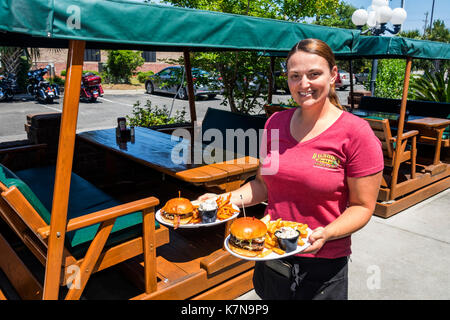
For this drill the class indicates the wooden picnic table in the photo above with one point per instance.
(161, 151)
(433, 128)
(430, 129)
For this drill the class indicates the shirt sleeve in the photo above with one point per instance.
(365, 156)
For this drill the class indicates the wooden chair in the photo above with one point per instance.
(25, 214)
(393, 160)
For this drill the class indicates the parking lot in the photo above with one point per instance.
(104, 113)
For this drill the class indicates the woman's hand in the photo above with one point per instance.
(317, 239)
(207, 196)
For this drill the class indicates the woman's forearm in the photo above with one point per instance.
(253, 192)
(350, 221)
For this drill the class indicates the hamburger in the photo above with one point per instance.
(247, 236)
(177, 211)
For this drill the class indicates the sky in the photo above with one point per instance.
(415, 10)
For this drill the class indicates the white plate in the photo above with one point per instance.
(196, 225)
(273, 255)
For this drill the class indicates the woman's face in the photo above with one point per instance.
(309, 79)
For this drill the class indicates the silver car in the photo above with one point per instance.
(170, 80)
(343, 80)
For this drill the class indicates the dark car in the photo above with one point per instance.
(170, 80)
(362, 77)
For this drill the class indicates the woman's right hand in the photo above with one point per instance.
(207, 196)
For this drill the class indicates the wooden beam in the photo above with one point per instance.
(190, 85)
(64, 161)
(401, 120)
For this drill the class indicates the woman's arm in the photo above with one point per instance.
(363, 194)
(253, 192)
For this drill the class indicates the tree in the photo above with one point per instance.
(238, 69)
(121, 64)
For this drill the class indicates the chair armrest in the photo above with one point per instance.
(104, 215)
(406, 135)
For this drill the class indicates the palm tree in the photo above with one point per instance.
(431, 87)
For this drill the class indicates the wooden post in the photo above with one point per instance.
(190, 85)
(64, 161)
(401, 122)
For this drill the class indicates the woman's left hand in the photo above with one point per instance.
(317, 239)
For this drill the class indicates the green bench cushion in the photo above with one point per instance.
(84, 198)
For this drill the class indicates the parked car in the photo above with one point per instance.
(362, 77)
(170, 80)
(343, 80)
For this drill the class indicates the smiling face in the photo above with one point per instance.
(310, 79)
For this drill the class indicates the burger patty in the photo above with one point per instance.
(254, 244)
(172, 216)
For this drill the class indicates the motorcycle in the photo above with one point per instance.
(42, 90)
(8, 86)
(91, 87)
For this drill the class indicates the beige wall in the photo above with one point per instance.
(59, 59)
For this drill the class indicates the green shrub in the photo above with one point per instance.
(390, 78)
(143, 76)
(149, 115)
(57, 80)
(121, 64)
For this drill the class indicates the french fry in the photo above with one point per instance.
(265, 253)
(278, 251)
(300, 242)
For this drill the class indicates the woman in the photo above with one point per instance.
(329, 170)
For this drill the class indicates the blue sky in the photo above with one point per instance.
(416, 11)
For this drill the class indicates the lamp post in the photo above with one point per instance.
(377, 17)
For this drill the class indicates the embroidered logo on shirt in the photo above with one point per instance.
(326, 161)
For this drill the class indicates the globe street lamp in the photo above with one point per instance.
(376, 17)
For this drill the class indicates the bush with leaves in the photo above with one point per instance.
(390, 78)
(143, 75)
(148, 115)
(121, 64)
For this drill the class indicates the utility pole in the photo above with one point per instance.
(431, 20)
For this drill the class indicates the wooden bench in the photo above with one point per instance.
(225, 120)
(101, 231)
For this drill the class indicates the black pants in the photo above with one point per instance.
(310, 279)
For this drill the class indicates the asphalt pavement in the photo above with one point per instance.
(104, 113)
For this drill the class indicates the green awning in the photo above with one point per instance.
(378, 47)
(122, 24)
(399, 47)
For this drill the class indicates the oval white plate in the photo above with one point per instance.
(196, 225)
(273, 255)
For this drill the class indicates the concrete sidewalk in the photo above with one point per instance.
(406, 256)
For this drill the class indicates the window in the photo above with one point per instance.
(91, 55)
(149, 56)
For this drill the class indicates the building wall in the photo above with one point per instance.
(59, 59)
